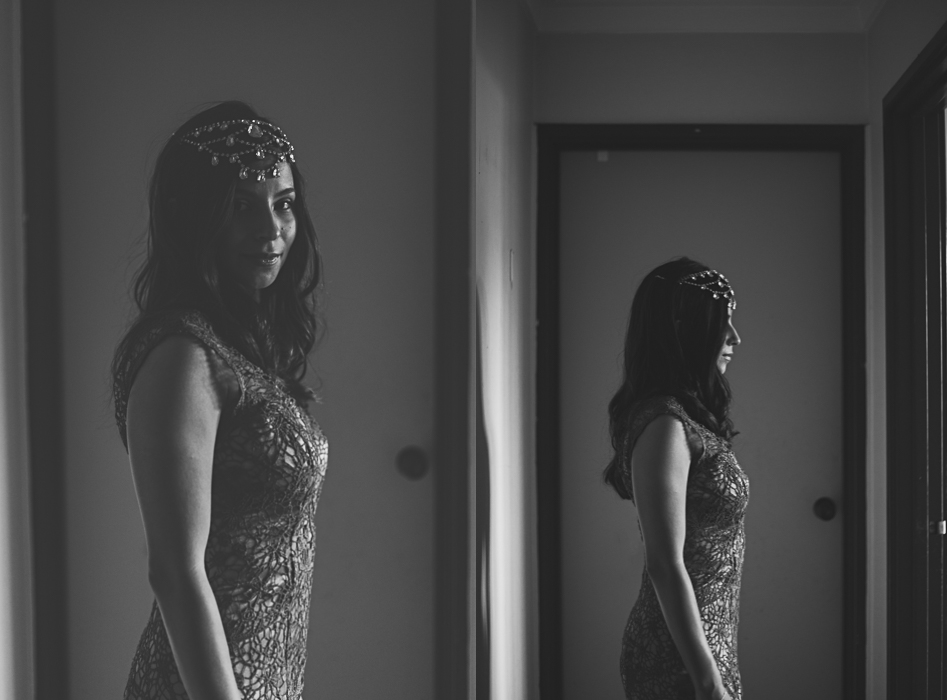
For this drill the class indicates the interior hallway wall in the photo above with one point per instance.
(701, 78)
(504, 204)
(352, 82)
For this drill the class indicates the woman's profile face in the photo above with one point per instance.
(257, 240)
(730, 340)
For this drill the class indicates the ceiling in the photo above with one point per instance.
(704, 16)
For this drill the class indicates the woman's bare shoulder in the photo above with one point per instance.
(663, 431)
(177, 366)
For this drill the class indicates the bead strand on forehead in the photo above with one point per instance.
(239, 141)
(714, 283)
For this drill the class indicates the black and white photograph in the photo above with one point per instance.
(473, 350)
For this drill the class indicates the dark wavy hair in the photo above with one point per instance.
(191, 204)
(673, 340)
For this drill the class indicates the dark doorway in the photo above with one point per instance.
(916, 287)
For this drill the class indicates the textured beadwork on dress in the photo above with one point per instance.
(269, 463)
(716, 500)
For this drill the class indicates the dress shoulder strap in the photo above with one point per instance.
(150, 334)
(649, 409)
(646, 411)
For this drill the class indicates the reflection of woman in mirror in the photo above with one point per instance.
(227, 463)
(671, 434)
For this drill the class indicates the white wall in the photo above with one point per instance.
(352, 83)
(16, 638)
(504, 267)
(716, 78)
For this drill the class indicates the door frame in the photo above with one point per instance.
(849, 143)
(455, 345)
(44, 376)
(915, 205)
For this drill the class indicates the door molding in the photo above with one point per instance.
(914, 177)
(455, 343)
(44, 378)
(848, 143)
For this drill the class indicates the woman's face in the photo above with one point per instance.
(730, 340)
(256, 243)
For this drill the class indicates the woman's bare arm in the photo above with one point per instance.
(172, 418)
(659, 467)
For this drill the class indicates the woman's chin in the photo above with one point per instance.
(255, 283)
(263, 283)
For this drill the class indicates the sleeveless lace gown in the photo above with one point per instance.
(716, 499)
(269, 463)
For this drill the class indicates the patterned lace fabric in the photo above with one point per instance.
(717, 496)
(269, 464)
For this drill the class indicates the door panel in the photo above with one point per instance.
(771, 223)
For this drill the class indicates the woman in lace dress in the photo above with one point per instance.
(226, 461)
(671, 434)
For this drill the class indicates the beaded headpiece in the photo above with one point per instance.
(713, 282)
(244, 142)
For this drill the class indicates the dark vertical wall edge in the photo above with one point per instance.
(547, 414)
(935, 201)
(854, 399)
(917, 96)
(931, 198)
(848, 142)
(453, 338)
(898, 321)
(44, 350)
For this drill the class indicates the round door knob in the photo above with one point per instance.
(824, 508)
(412, 462)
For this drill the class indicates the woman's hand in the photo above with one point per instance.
(173, 414)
